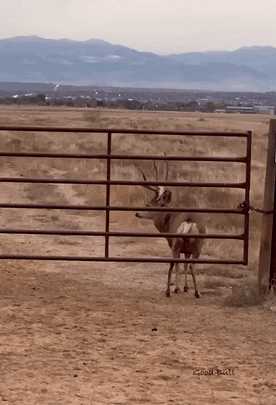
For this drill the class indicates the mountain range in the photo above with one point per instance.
(97, 62)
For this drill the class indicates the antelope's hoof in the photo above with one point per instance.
(197, 295)
(176, 290)
(186, 289)
(168, 293)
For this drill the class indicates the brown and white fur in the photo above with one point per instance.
(176, 222)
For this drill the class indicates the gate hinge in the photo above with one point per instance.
(245, 207)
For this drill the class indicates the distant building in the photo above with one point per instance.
(240, 109)
(255, 109)
(265, 109)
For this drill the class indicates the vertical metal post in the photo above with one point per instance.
(247, 197)
(107, 192)
(272, 277)
(268, 238)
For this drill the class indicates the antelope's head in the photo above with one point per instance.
(161, 198)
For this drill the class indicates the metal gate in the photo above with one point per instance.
(108, 183)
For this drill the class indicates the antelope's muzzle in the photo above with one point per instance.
(143, 215)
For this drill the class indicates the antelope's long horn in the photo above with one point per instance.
(155, 170)
(167, 168)
(151, 188)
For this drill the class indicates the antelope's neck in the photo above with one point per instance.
(161, 222)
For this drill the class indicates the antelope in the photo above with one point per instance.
(175, 222)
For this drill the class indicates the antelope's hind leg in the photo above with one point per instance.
(177, 279)
(186, 288)
(197, 294)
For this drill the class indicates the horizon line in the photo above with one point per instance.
(46, 38)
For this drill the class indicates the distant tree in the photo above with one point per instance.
(191, 106)
(40, 98)
(210, 107)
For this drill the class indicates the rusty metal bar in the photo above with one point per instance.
(108, 183)
(118, 234)
(238, 159)
(121, 182)
(122, 208)
(121, 131)
(119, 259)
(107, 191)
(247, 197)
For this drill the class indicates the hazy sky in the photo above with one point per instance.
(163, 26)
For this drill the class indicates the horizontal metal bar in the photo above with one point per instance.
(120, 182)
(121, 131)
(118, 259)
(125, 157)
(118, 234)
(236, 211)
(58, 232)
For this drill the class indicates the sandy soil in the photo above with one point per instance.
(96, 334)
(106, 334)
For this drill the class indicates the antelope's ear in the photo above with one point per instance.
(167, 196)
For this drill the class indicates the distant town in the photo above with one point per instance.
(48, 94)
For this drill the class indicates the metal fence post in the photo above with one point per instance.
(247, 197)
(267, 258)
(107, 191)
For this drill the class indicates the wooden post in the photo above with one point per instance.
(267, 248)
(273, 249)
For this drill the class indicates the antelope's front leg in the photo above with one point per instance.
(176, 255)
(168, 292)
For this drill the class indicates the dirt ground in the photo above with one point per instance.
(96, 334)
(79, 333)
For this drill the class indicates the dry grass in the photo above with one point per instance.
(244, 294)
(84, 143)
